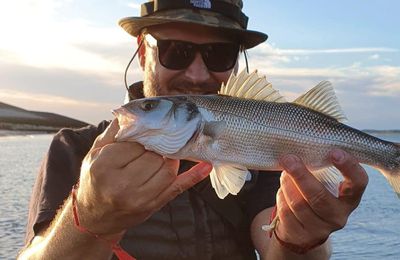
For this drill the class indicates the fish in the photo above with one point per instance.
(250, 125)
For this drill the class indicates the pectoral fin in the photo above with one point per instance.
(227, 178)
(331, 178)
(214, 129)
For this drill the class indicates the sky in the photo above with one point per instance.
(69, 56)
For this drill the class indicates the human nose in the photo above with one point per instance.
(197, 71)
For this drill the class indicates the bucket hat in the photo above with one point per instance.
(226, 15)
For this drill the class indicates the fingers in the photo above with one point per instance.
(308, 221)
(304, 199)
(297, 203)
(322, 203)
(355, 177)
(141, 170)
(119, 155)
(162, 178)
(312, 190)
(286, 219)
(184, 181)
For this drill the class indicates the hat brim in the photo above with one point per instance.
(248, 38)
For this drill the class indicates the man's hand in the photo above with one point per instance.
(122, 184)
(308, 212)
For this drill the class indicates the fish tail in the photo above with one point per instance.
(393, 176)
(394, 180)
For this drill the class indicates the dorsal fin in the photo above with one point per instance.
(250, 86)
(322, 98)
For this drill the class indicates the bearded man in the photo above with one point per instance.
(135, 203)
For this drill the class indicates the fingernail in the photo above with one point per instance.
(337, 156)
(289, 162)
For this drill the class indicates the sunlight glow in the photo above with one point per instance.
(35, 37)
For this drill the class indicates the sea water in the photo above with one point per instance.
(372, 232)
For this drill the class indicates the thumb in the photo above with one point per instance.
(108, 136)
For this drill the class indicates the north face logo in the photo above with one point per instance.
(206, 4)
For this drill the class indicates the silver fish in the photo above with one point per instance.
(249, 125)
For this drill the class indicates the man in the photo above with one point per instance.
(158, 208)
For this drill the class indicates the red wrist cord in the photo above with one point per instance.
(292, 247)
(116, 248)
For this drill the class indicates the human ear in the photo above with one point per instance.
(141, 51)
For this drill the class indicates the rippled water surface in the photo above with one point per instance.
(373, 231)
(20, 158)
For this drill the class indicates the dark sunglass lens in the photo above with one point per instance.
(220, 57)
(175, 55)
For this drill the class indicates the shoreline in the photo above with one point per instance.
(7, 133)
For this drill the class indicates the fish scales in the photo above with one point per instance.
(236, 133)
(263, 131)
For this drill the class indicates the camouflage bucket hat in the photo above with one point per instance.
(226, 15)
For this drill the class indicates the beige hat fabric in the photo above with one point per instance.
(226, 15)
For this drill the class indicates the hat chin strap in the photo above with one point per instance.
(247, 62)
(226, 9)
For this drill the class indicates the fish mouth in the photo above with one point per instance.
(126, 122)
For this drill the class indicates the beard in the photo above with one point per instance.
(151, 87)
(178, 85)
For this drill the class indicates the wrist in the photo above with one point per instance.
(86, 218)
(111, 240)
(298, 248)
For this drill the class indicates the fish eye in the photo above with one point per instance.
(148, 105)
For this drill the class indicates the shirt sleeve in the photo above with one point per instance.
(59, 171)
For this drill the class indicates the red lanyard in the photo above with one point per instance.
(115, 246)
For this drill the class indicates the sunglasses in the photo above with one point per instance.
(178, 55)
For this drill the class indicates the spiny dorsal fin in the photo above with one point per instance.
(322, 98)
(250, 86)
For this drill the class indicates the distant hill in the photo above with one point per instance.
(15, 118)
(373, 131)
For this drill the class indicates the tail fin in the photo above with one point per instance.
(394, 180)
(393, 177)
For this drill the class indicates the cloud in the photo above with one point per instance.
(271, 55)
(374, 57)
(91, 112)
(39, 37)
(82, 95)
(51, 61)
(278, 65)
(368, 93)
(386, 81)
(54, 60)
(51, 100)
(134, 6)
(268, 49)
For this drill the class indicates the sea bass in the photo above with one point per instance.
(249, 125)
